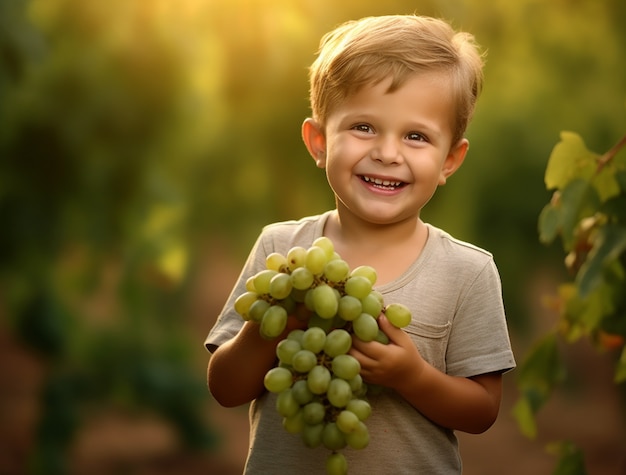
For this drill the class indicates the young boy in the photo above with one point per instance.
(391, 98)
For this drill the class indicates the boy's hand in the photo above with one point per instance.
(390, 364)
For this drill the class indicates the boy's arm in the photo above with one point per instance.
(466, 404)
(236, 369)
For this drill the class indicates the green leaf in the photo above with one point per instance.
(578, 200)
(549, 224)
(571, 459)
(606, 184)
(609, 245)
(586, 314)
(620, 371)
(525, 417)
(620, 176)
(616, 207)
(542, 369)
(570, 160)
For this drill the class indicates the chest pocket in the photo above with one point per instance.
(431, 341)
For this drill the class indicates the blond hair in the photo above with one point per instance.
(367, 51)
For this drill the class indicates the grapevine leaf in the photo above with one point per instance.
(541, 370)
(616, 207)
(571, 459)
(584, 315)
(525, 417)
(539, 373)
(610, 243)
(549, 224)
(620, 176)
(620, 371)
(578, 200)
(570, 160)
(606, 184)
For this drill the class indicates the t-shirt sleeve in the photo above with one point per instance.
(479, 340)
(229, 322)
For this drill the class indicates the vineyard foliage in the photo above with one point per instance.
(587, 212)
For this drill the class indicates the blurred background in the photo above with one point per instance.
(143, 145)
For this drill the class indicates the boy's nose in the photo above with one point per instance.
(387, 151)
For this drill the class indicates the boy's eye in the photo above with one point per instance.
(362, 128)
(416, 136)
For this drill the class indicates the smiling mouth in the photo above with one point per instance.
(383, 184)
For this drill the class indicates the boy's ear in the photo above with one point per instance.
(315, 141)
(454, 160)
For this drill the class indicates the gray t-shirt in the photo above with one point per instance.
(453, 290)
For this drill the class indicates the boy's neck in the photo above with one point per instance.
(389, 248)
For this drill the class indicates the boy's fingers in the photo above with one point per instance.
(395, 334)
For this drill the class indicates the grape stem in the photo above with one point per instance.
(608, 156)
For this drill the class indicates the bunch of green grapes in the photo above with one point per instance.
(321, 395)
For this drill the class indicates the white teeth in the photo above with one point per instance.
(378, 181)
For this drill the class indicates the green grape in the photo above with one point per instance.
(296, 335)
(349, 308)
(262, 281)
(332, 437)
(318, 379)
(357, 386)
(325, 324)
(289, 304)
(286, 349)
(302, 278)
(360, 407)
(313, 413)
(244, 302)
(336, 270)
(296, 257)
(372, 305)
(301, 392)
(274, 322)
(338, 322)
(278, 379)
(347, 421)
(298, 295)
(379, 296)
(258, 309)
(303, 361)
(399, 315)
(374, 389)
(336, 464)
(250, 284)
(316, 259)
(309, 301)
(286, 405)
(381, 337)
(326, 244)
(280, 286)
(359, 438)
(325, 301)
(345, 366)
(365, 271)
(338, 342)
(339, 392)
(276, 261)
(294, 424)
(312, 435)
(313, 339)
(365, 327)
(358, 286)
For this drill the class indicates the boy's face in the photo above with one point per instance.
(385, 154)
